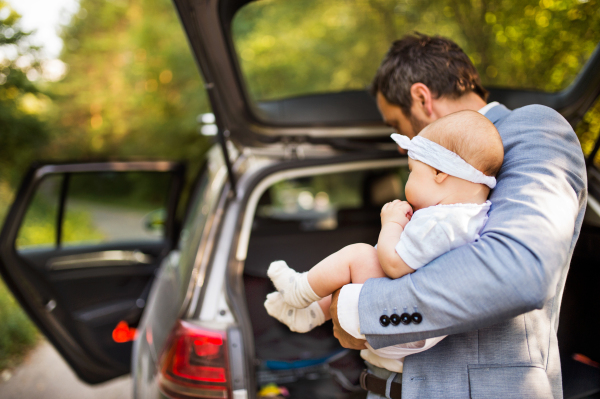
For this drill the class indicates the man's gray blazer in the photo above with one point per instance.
(498, 298)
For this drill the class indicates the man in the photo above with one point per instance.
(498, 298)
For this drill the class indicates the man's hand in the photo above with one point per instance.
(346, 340)
(397, 211)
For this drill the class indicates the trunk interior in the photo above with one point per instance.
(579, 323)
(311, 364)
(304, 363)
(314, 364)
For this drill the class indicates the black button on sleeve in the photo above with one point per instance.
(395, 319)
(384, 321)
(417, 318)
(405, 318)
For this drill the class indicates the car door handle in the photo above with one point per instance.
(99, 259)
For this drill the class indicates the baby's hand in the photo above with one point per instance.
(399, 212)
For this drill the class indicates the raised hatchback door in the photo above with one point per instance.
(295, 72)
(79, 249)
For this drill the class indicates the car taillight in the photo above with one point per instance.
(194, 363)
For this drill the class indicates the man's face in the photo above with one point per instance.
(393, 116)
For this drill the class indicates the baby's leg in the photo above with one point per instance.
(324, 304)
(360, 271)
(298, 320)
(354, 263)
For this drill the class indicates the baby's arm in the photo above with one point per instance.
(394, 217)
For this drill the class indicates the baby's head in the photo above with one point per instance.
(473, 138)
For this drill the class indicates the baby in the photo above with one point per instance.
(453, 163)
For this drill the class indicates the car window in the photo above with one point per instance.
(113, 207)
(195, 231)
(323, 202)
(99, 207)
(38, 228)
(291, 48)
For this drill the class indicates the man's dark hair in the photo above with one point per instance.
(437, 62)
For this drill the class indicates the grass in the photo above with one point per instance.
(17, 332)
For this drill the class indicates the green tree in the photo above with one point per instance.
(22, 132)
(23, 136)
(297, 47)
(133, 88)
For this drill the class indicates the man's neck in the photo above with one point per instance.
(471, 101)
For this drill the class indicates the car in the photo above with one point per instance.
(121, 280)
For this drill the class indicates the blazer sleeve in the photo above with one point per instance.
(514, 267)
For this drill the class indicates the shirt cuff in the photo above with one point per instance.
(347, 309)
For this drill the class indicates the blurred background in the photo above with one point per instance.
(115, 79)
(89, 80)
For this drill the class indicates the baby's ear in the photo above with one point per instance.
(440, 176)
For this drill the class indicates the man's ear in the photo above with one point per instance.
(421, 98)
(440, 176)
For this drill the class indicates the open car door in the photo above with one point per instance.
(79, 250)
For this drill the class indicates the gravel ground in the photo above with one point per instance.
(44, 374)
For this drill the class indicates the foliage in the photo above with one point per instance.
(39, 226)
(133, 88)
(23, 135)
(141, 191)
(288, 48)
(22, 132)
(6, 196)
(588, 130)
(17, 333)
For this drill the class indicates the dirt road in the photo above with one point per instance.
(44, 374)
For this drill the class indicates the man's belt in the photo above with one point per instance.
(377, 385)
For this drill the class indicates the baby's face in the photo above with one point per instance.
(421, 190)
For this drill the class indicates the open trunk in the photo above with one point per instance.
(301, 362)
(304, 363)
(311, 364)
(314, 365)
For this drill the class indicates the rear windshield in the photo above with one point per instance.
(322, 202)
(290, 48)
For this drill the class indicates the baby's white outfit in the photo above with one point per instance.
(431, 232)
(435, 230)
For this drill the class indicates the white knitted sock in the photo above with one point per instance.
(298, 320)
(294, 286)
